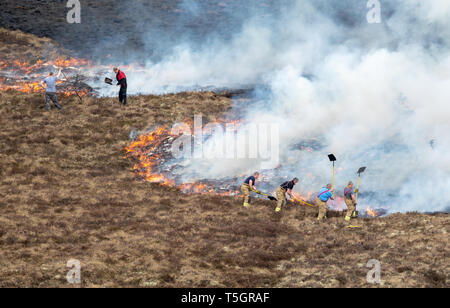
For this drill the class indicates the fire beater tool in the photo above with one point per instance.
(360, 170)
(332, 159)
(307, 203)
(263, 194)
(109, 81)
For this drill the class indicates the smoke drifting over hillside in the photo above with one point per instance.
(373, 94)
(248, 45)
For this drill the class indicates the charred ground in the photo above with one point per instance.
(130, 30)
(67, 192)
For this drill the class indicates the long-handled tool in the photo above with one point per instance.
(295, 197)
(361, 170)
(332, 159)
(353, 227)
(109, 81)
(263, 194)
(304, 202)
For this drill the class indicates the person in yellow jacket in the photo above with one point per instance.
(247, 187)
(350, 201)
(282, 190)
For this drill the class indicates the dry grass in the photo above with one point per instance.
(17, 45)
(66, 192)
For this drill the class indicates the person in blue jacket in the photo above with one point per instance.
(324, 195)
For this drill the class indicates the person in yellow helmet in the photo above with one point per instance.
(350, 201)
(247, 187)
(282, 190)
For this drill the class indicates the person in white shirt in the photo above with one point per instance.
(50, 90)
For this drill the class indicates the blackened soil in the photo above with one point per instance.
(129, 29)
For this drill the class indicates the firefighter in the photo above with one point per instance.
(122, 82)
(324, 195)
(248, 186)
(282, 190)
(350, 201)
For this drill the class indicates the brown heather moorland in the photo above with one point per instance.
(67, 192)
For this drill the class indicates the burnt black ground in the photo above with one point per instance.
(128, 30)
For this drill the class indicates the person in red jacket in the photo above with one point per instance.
(122, 82)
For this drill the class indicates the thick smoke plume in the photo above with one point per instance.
(375, 95)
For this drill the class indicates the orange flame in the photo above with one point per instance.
(142, 151)
(371, 212)
(25, 68)
(139, 149)
(302, 199)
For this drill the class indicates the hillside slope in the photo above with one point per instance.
(66, 192)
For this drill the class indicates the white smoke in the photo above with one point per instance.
(374, 95)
